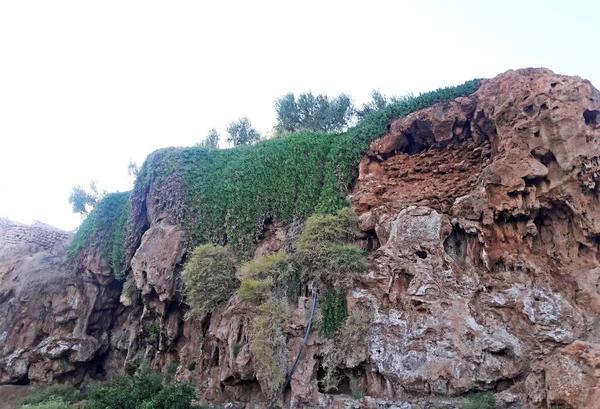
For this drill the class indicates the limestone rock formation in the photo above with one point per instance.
(482, 220)
(54, 324)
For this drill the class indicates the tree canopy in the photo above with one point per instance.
(211, 141)
(83, 201)
(242, 133)
(313, 112)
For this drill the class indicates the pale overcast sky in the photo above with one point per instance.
(85, 86)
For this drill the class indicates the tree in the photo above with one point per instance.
(242, 133)
(132, 169)
(378, 101)
(211, 141)
(315, 113)
(84, 201)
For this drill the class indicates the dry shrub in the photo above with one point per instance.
(272, 274)
(268, 344)
(209, 279)
(255, 291)
(352, 334)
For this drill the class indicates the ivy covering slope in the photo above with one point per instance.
(229, 193)
(105, 229)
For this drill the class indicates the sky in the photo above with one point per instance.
(85, 86)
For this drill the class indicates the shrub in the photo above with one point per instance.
(329, 260)
(326, 229)
(268, 266)
(255, 291)
(146, 389)
(324, 252)
(268, 344)
(178, 396)
(209, 279)
(352, 334)
(51, 404)
(152, 333)
(130, 290)
(482, 400)
(58, 391)
(270, 274)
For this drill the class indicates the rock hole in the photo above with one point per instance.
(529, 110)
(421, 254)
(590, 117)
(543, 107)
(456, 245)
(553, 85)
(537, 134)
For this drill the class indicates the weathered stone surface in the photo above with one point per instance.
(53, 325)
(483, 218)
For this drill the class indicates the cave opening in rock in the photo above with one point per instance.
(591, 117)
(456, 245)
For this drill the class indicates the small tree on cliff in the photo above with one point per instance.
(211, 141)
(242, 133)
(83, 201)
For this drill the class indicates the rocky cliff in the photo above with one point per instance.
(482, 222)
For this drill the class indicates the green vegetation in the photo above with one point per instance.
(333, 264)
(267, 275)
(130, 289)
(56, 393)
(50, 404)
(209, 279)
(83, 201)
(335, 310)
(211, 141)
(255, 291)
(145, 389)
(231, 192)
(241, 133)
(353, 333)
(105, 229)
(152, 334)
(313, 113)
(482, 400)
(268, 344)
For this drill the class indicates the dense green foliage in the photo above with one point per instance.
(313, 113)
(231, 192)
(482, 400)
(63, 392)
(335, 310)
(209, 279)
(105, 229)
(145, 389)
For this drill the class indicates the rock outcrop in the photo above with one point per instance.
(55, 323)
(482, 220)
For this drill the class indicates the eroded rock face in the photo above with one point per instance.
(482, 218)
(54, 324)
(497, 267)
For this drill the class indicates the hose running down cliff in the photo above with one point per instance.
(289, 378)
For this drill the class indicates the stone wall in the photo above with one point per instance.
(40, 234)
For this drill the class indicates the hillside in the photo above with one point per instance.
(451, 239)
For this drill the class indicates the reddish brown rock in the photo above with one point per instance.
(483, 218)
